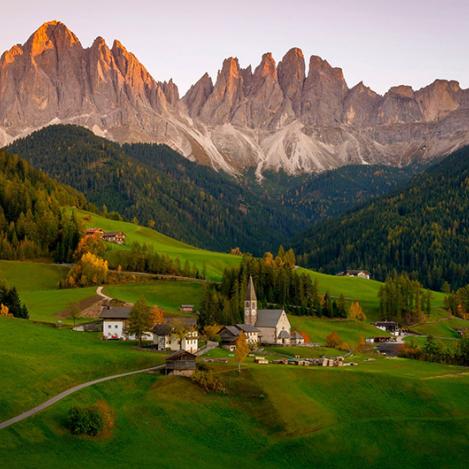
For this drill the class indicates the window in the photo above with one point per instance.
(116, 326)
(109, 326)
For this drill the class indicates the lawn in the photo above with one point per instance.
(168, 294)
(385, 414)
(37, 285)
(214, 262)
(37, 361)
(318, 329)
(443, 328)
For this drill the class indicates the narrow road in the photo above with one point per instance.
(58, 397)
(100, 293)
(210, 346)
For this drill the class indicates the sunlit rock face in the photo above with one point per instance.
(297, 115)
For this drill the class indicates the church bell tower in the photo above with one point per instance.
(250, 304)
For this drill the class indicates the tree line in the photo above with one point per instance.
(278, 285)
(10, 303)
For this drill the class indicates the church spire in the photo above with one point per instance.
(251, 292)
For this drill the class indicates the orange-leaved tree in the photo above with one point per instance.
(356, 312)
(4, 311)
(242, 349)
(333, 340)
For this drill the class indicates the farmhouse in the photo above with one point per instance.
(181, 363)
(273, 324)
(229, 335)
(115, 319)
(117, 237)
(389, 326)
(186, 308)
(94, 232)
(355, 273)
(177, 334)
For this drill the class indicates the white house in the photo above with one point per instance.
(355, 273)
(273, 324)
(229, 335)
(389, 326)
(177, 334)
(115, 319)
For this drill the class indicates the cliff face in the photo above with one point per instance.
(277, 116)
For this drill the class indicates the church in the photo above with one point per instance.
(273, 324)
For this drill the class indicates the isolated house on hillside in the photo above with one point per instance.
(94, 232)
(181, 363)
(117, 237)
(177, 334)
(389, 326)
(355, 273)
(273, 324)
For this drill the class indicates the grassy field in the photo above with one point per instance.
(37, 361)
(444, 327)
(381, 414)
(37, 285)
(214, 262)
(168, 294)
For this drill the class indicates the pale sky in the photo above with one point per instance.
(382, 42)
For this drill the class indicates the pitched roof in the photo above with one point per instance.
(116, 312)
(284, 334)
(268, 317)
(170, 323)
(251, 291)
(247, 328)
(162, 329)
(181, 355)
(296, 335)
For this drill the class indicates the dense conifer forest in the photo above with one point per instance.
(33, 222)
(422, 230)
(194, 203)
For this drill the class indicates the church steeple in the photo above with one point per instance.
(250, 304)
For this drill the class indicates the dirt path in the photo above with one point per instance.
(60, 396)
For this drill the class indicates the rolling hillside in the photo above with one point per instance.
(195, 203)
(422, 230)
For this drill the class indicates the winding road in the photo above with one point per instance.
(58, 397)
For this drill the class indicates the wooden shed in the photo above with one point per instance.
(181, 363)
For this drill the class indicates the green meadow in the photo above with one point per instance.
(214, 262)
(38, 361)
(37, 285)
(168, 294)
(385, 413)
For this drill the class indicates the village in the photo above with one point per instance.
(261, 329)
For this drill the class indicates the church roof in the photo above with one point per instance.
(284, 335)
(268, 317)
(251, 292)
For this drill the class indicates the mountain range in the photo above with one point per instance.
(274, 117)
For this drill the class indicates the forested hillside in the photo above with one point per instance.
(194, 203)
(32, 222)
(423, 230)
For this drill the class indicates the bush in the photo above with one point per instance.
(208, 381)
(84, 421)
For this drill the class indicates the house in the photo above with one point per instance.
(355, 273)
(181, 363)
(296, 338)
(389, 326)
(94, 231)
(115, 320)
(177, 334)
(117, 237)
(186, 308)
(273, 324)
(229, 335)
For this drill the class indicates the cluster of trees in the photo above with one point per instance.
(10, 303)
(457, 302)
(404, 300)
(422, 230)
(277, 284)
(89, 270)
(32, 221)
(433, 351)
(143, 318)
(143, 258)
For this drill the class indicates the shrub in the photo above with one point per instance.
(84, 421)
(208, 381)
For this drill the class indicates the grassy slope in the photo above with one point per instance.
(215, 262)
(168, 294)
(38, 361)
(275, 416)
(37, 287)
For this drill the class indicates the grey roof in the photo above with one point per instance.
(181, 355)
(284, 334)
(170, 323)
(251, 291)
(268, 317)
(233, 330)
(116, 312)
(162, 329)
(247, 328)
(296, 335)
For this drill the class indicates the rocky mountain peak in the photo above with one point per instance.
(51, 35)
(291, 76)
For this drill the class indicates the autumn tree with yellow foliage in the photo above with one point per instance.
(5, 312)
(89, 270)
(356, 312)
(242, 349)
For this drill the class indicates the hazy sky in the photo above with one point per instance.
(382, 42)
